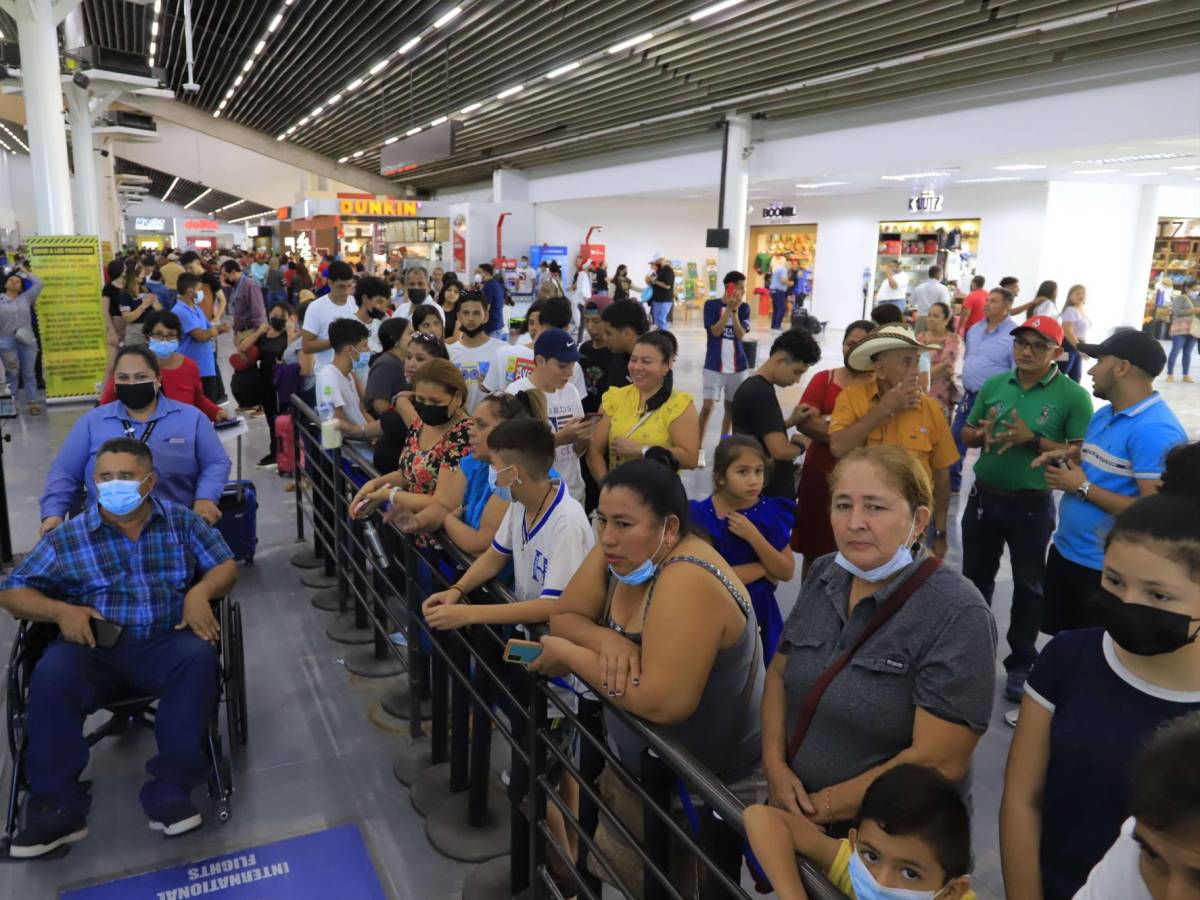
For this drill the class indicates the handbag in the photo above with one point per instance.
(244, 362)
(892, 606)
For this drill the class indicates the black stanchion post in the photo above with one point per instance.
(341, 529)
(418, 663)
(656, 780)
(487, 667)
(328, 528)
(723, 845)
(297, 473)
(460, 715)
(440, 724)
(538, 769)
(591, 763)
(371, 587)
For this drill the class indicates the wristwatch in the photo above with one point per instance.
(939, 533)
(1082, 491)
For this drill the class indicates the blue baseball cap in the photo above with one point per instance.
(554, 343)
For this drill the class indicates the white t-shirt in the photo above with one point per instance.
(1045, 308)
(514, 362)
(340, 392)
(475, 363)
(1081, 322)
(583, 286)
(561, 407)
(404, 310)
(322, 313)
(546, 556)
(888, 293)
(1116, 876)
(927, 293)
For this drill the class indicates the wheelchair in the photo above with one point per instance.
(135, 710)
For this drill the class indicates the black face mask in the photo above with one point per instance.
(136, 396)
(432, 413)
(471, 332)
(277, 323)
(1142, 630)
(376, 313)
(416, 296)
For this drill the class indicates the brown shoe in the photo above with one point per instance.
(35, 409)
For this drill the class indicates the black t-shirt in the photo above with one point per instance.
(666, 275)
(120, 300)
(618, 371)
(756, 413)
(386, 380)
(595, 373)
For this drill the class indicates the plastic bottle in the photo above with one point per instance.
(331, 435)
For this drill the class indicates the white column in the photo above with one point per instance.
(737, 193)
(86, 188)
(1141, 255)
(43, 111)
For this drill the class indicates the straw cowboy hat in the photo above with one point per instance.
(889, 337)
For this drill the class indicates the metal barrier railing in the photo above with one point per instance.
(472, 694)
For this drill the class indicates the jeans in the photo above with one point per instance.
(956, 429)
(72, 680)
(778, 308)
(19, 362)
(1024, 521)
(274, 297)
(660, 310)
(1185, 343)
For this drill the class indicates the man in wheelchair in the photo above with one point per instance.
(132, 561)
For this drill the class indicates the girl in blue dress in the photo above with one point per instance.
(751, 531)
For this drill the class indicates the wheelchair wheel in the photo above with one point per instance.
(236, 718)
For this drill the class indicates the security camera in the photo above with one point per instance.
(104, 153)
(81, 80)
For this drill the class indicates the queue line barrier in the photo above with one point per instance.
(689, 841)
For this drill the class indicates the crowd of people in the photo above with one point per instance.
(555, 465)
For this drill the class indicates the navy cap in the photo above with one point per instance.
(554, 343)
(1135, 346)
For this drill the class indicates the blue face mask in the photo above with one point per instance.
(163, 349)
(361, 367)
(504, 492)
(120, 497)
(902, 558)
(644, 572)
(867, 888)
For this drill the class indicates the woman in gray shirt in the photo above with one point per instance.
(919, 690)
(18, 347)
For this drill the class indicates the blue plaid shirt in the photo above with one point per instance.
(139, 584)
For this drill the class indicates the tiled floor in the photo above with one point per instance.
(314, 757)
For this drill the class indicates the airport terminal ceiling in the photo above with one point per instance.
(342, 77)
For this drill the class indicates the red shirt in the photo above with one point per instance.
(181, 384)
(973, 309)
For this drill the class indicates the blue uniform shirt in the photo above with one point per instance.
(199, 352)
(493, 290)
(1121, 449)
(139, 584)
(987, 353)
(188, 456)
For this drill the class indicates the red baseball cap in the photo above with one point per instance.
(1046, 326)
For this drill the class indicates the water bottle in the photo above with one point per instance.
(375, 545)
(331, 435)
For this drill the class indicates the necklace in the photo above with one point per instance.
(537, 512)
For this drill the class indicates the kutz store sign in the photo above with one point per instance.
(383, 208)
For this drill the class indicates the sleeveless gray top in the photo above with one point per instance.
(725, 730)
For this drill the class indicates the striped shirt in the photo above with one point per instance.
(1120, 449)
(139, 584)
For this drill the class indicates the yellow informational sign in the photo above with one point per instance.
(106, 251)
(70, 314)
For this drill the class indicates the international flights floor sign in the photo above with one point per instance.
(325, 864)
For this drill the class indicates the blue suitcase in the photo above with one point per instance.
(239, 514)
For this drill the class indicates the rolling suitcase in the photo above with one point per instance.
(239, 514)
(285, 447)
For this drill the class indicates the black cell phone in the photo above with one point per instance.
(106, 633)
(228, 423)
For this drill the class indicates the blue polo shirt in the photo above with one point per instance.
(202, 353)
(1120, 449)
(987, 353)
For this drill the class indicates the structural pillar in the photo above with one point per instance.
(1145, 230)
(36, 32)
(86, 198)
(736, 177)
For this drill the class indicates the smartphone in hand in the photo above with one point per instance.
(522, 652)
(106, 633)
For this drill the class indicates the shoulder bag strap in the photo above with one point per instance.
(881, 617)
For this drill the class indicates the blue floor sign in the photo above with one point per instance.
(325, 864)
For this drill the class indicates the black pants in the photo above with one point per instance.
(1023, 522)
(211, 385)
(1069, 589)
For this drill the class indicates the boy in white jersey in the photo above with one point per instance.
(545, 532)
(474, 353)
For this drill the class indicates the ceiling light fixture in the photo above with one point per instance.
(248, 65)
(281, 137)
(913, 175)
(153, 49)
(447, 17)
(275, 23)
(1128, 159)
(303, 122)
(316, 112)
(260, 47)
(821, 184)
(378, 67)
(988, 180)
(631, 42)
(1018, 167)
(291, 130)
(152, 62)
(229, 93)
(563, 70)
(440, 120)
(508, 92)
(217, 113)
(237, 81)
(204, 193)
(1144, 174)
(357, 153)
(469, 108)
(1096, 172)
(169, 189)
(413, 131)
(343, 159)
(390, 141)
(333, 99)
(357, 82)
(9, 132)
(409, 44)
(228, 205)
(222, 104)
(154, 28)
(1185, 168)
(713, 10)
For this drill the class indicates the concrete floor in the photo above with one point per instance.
(314, 758)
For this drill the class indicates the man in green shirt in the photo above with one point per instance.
(1018, 415)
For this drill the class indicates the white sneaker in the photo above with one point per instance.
(1011, 716)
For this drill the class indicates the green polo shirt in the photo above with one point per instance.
(1055, 407)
